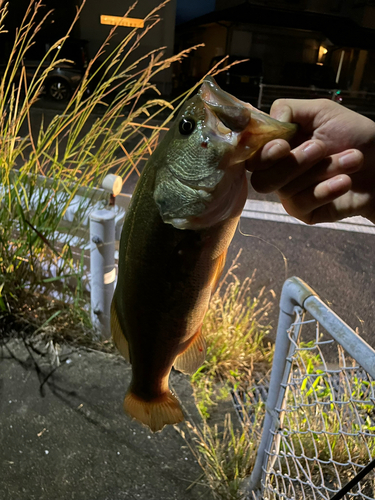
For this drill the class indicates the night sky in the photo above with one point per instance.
(189, 9)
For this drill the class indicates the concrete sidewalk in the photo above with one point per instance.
(68, 438)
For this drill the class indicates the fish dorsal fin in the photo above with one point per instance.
(193, 356)
(117, 334)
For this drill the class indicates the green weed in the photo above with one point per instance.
(331, 414)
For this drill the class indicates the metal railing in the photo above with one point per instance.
(269, 93)
(91, 225)
(319, 428)
(361, 101)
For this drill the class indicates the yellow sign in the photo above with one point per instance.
(130, 22)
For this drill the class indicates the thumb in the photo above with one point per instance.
(303, 111)
(281, 111)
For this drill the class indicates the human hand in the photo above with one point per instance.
(330, 173)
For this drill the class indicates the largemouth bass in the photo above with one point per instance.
(181, 220)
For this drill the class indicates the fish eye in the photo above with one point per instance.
(187, 125)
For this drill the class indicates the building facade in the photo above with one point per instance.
(336, 34)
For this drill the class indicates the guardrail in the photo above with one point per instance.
(91, 225)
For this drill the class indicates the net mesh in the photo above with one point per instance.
(323, 430)
(326, 421)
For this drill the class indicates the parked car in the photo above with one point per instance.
(243, 79)
(308, 75)
(63, 80)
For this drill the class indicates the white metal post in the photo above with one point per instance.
(294, 293)
(102, 266)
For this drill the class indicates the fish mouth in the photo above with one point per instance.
(232, 112)
(239, 122)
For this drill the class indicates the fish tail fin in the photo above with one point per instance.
(156, 413)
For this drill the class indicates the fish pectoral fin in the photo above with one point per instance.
(156, 413)
(117, 334)
(193, 356)
(219, 269)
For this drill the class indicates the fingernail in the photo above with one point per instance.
(313, 151)
(335, 184)
(350, 159)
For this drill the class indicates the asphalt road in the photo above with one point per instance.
(338, 265)
(64, 434)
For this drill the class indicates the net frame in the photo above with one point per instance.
(319, 429)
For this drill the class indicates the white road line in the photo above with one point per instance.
(271, 211)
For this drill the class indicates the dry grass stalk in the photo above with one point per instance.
(124, 108)
(226, 455)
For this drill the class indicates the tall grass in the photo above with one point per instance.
(235, 329)
(42, 169)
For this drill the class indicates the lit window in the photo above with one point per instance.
(322, 52)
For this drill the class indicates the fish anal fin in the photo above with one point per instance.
(117, 334)
(189, 360)
(161, 411)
